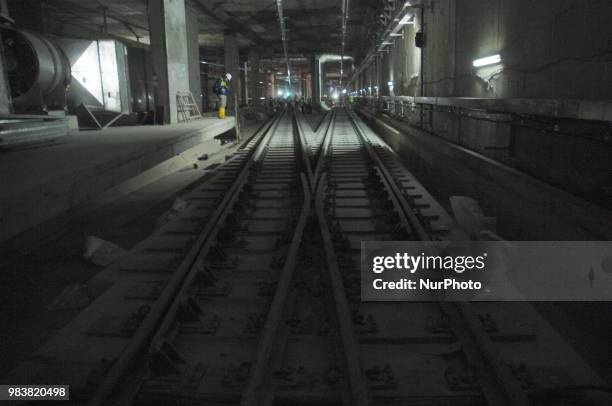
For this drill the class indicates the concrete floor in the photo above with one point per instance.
(30, 282)
(41, 183)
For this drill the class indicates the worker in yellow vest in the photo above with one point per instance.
(222, 90)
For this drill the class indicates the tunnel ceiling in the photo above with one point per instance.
(313, 25)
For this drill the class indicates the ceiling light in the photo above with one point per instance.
(487, 60)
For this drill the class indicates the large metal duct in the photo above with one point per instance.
(33, 60)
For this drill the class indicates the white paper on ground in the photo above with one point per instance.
(101, 252)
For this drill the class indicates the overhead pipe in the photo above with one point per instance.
(345, 8)
(395, 24)
(281, 20)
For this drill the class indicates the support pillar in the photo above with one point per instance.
(167, 22)
(254, 78)
(316, 81)
(193, 56)
(231, 66)
(5, 93)
(244, 85)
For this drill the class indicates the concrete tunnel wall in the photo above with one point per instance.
(547, 52)
(540, 54)
(540, 57)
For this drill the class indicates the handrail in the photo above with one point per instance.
(578, 109)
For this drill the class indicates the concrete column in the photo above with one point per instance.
(254, 77)
(5, 94)
(272, 78)
(316, 78)
(193, 56)
(244, 84)
(231, 66)
(167, 22)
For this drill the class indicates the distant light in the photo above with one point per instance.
(335, 96)
(487, 60)
(261, 82)
(280, 93)
(390, 83)
(343, 91)
(387, 43)
(262, 98)
(396, 34)
(203, 62)
(370, 88)
(376, 88)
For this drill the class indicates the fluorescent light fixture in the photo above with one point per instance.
(396, 34)
(487, 60)
(387, 43)
(262, 98)
(390, 83)
(204, 62)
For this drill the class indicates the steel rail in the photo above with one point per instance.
(500, 386)
(256, 389)
(359, 394)
(225, 209)
(324, 149)
(306, 150)
(155, 319)
(416, 225)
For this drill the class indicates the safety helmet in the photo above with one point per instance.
(228, 76)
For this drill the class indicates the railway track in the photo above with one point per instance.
(252, 297)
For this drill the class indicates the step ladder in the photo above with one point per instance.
(186, 107)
